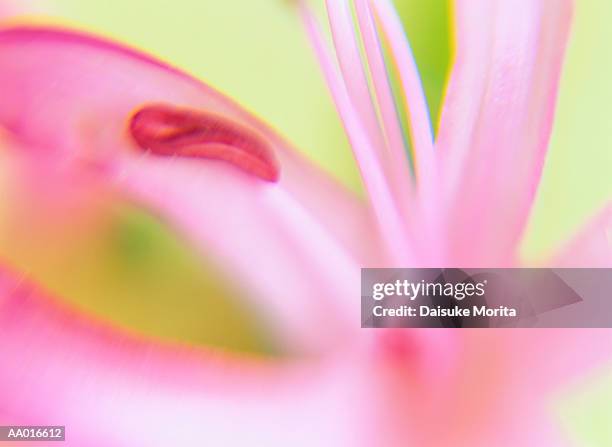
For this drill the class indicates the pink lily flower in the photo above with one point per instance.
(296, 240)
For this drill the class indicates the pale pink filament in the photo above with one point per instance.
(381, 197)
(351, 66)
(415, 103)
(432, 249)
(398, 166)
(385, 168)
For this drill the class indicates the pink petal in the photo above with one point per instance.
(389, 120)
(591, 247)
(497, 120)
(110, 389)
(295, 244)
(481, 387)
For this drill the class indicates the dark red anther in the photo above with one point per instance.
(171, 131)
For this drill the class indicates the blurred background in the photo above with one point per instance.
(122, 264)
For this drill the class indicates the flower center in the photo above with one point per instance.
(170, 131)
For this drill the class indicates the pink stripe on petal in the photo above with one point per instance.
(497, 120)
(73, 97)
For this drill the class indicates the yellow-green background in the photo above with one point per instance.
(142, 276)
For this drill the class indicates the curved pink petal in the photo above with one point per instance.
(111, 389)
(591, 247)
(296, 244)
(497, 120)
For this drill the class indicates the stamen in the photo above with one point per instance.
(351, 66)
(388, 215)
(415, 102)
(170, 131)
(398, 155)
(383, 91)
(419, 123)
